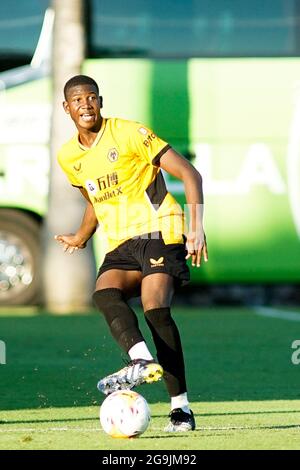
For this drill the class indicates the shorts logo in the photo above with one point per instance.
(91, 186)
(113, 155)
(143, 131)
(157, 263)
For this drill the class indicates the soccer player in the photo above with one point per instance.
(116, 164)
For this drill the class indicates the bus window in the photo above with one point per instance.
(193, 28)
(20, 27)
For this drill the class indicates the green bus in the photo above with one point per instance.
(219, 80)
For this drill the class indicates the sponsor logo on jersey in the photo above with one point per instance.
(91, 186)
(155, 263)
(113, 155)
(106, 181)
(143, 131)
(108, 195)
(149, 139)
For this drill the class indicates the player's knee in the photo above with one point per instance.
(120, 318)
(159, 316)
(154, 304)
(110, 303)
(155, 301)
(105, 299)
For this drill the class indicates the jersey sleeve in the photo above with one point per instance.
(145, 143)
(67, 169)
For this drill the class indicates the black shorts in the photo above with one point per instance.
(149, 254)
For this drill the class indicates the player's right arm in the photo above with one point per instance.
(73, 242)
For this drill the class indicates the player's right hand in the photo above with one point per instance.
(70, 242)
(196, 247)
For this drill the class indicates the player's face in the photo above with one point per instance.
(83, 104)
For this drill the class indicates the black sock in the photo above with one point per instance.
(120, 318)
(168, 346)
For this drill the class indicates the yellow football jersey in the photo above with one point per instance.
(125, 184)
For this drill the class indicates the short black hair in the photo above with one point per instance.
(79, 80)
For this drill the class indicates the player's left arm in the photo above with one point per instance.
(175, 164)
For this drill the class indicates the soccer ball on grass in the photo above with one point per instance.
(124, 414)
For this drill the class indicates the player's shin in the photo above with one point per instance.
(169, 350)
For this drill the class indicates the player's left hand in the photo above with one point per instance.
(196, 247)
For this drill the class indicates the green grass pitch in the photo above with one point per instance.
(244, 389)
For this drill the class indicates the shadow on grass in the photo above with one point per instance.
(207, 415)
(231, 355)
(248, 428)
(166, 436)
(246, 413)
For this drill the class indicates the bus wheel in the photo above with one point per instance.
(19, 258)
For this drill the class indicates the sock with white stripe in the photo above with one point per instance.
(140, 351)
(180, 401)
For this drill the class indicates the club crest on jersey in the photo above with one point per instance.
(91, 186)
(113, 155)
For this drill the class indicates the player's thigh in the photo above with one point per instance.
(157, 291)
(128, 282)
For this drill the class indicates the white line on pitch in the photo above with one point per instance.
(276, 313)
(208, 428)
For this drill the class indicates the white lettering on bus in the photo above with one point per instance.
(258, 168)
(2, 353)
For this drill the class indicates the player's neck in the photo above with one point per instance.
(87, 137)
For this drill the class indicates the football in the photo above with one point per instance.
(124, 414)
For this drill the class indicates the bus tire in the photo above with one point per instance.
(20, 239)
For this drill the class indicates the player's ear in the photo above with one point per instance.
(66, 107)
(101, 101)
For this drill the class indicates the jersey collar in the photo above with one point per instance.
(96, 141)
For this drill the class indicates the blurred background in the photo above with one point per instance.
(220, 81)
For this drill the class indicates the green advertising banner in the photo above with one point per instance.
(244, 132)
